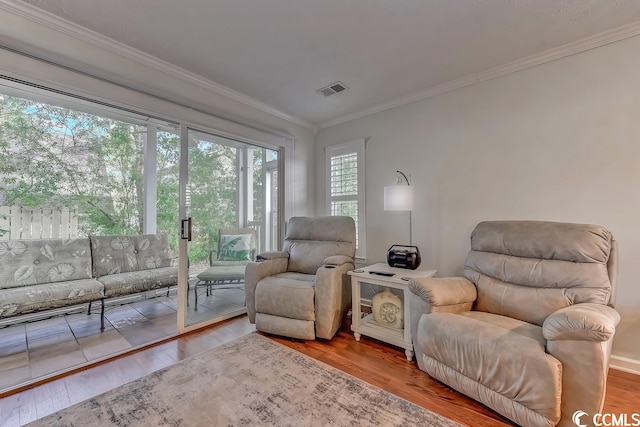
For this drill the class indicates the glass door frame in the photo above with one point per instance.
(183, 244)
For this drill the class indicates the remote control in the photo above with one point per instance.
(382, 273)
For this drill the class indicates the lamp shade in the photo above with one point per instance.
(398, 197)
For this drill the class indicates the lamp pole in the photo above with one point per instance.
(410, 219)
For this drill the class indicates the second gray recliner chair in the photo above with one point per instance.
(528, 330)
(303, 291)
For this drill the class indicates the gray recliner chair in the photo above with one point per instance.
(528, 331)
(303, 291)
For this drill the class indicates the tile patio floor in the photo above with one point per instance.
(29, 351)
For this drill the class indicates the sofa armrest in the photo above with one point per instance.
(256, 271)
(446, 291)
(272, 255)
(336, 260)
(582, 322)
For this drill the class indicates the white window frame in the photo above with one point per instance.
(358, 147)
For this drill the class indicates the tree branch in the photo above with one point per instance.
(102, 211)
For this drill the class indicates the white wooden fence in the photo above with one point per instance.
(17, 222)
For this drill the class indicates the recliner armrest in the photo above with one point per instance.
(332, 297)
(336, 260)
(443, 291)
(272, 255)
(582, 322)
(256, 271)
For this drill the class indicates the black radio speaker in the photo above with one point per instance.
(404, 257)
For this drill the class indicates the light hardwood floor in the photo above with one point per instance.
(377, 363)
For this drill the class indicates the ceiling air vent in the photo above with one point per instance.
(333, 88)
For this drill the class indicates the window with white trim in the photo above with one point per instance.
(345, 186)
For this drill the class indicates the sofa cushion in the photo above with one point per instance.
(113, 254)
(152, 251)
(138, 281)
(49, 295)
(286, 296)
(504, 355)
(32, 262)
(123, 254)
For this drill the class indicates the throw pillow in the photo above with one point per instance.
(235, 247)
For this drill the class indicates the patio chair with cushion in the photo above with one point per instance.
(236, 247)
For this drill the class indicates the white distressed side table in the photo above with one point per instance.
(400, 337)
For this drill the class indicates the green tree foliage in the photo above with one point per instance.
(58, 157)
(211, 193)
(168, 185)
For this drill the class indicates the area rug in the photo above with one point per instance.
(251, 381)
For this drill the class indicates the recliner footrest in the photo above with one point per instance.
(294, 328)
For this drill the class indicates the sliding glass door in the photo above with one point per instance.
(73, 170)
(72, 174)
(230, 213)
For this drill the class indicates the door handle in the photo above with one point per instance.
(185, 229)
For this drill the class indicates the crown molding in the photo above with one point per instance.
(592, 42)
(64, 26)
(433, 91)
(74, 30)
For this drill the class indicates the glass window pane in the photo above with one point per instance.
(346, 208)
(212, 193)
(344, 175)
(168, 185)
(77, 172)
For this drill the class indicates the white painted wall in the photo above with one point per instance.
(559, 142)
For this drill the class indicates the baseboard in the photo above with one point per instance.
(625, 364)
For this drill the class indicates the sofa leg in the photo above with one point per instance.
(195, 292)
(89, 311)
(102, 314)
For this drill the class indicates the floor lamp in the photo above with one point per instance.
(399, 197)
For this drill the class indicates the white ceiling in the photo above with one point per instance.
(386, 51)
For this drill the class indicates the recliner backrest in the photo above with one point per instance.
(530, 269)
(310, 241)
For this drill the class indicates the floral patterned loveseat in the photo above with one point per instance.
(49, 273)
